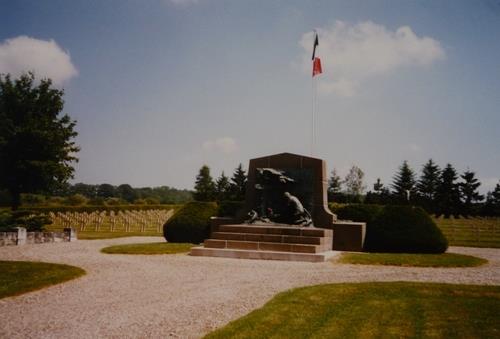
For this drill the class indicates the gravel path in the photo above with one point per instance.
(130, 296)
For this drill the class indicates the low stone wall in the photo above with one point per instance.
(21, 237)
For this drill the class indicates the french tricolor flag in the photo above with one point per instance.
(316, 61)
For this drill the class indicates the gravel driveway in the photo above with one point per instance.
(131, 296)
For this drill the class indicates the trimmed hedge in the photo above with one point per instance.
(404, 229)
(230, 208)
(358, 212)
(191, 224)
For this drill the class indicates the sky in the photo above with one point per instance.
(160, 87)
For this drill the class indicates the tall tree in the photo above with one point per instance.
(354, 184)
(380, 195)
(106, 191)
(334, 183)
(403, 183)
(448, 194)
(378, 186)
(90, 191)
(204, 186)
(36, 142)
(238, 184)
(468, 191)
(427, 184)
(335, 187)
(222, 187)
(126, 192)
(492, 205)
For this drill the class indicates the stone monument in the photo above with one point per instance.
(285, 212)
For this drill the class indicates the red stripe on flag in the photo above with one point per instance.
(317, 66)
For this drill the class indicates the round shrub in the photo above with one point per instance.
(404, 229)
(191, 223)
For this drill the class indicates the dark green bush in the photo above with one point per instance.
(23, 218)
(230, 208)
(191, 224)
(6, 221)
(358, 212)
(404, 229)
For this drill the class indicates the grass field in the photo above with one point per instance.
(19, 277)
(148, 248)
(473, 232)
(413, 260)
(374, 310)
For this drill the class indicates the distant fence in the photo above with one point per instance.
(21, 237)
(475, 232)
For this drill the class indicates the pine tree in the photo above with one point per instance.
(222, 187)
(448, 194)
(204, 186)
(492, 205)
(427, 185)
(403, 183)
(238, 184)
(380, 194)
(334, 191)
(378, 186)
(468, 191)
(334, 183)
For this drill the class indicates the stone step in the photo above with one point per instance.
(266, 255)
(277, 230)
(265, 246)
(276, 238)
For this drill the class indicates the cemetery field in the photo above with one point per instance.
(374, 310)
(23, 276)
(471, 232)
(110, 224)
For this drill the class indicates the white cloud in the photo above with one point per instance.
(44, 57)
(351, 54)
(225, 145)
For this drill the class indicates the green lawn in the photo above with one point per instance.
(148, 248)
(473, 232)
(374, 310)
(17, 277)
(418, 260)
(92, 235)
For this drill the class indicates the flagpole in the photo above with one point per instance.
(314, 98)
(312, 116)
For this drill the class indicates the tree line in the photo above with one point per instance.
(441, 191)
(221, 189)
(103, 194)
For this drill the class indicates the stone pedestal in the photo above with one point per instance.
(70, 234)
(349, 236)
(21, 236)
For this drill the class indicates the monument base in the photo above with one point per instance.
(273, 242)
(349, 235)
